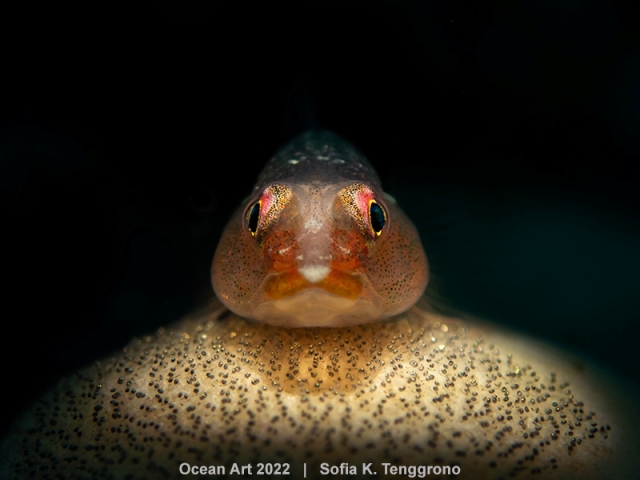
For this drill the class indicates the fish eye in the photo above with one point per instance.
(253, 215)
(377, 217)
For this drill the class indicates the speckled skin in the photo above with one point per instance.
(420, 389)
(314, 199)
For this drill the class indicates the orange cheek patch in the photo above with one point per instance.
(280, 251)
(285, 284)
(349, 248)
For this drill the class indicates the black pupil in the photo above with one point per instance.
(377, 217)
(254, 216)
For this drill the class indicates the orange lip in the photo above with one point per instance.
(342, 284)
(289, 283)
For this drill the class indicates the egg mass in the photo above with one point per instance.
(421, 389)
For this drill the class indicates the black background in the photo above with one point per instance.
(509, 132)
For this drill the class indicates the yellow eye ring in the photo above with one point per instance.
(377, 217)
(253, 217)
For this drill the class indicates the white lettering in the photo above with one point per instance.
(366, 468)
(344, 469)
(413, 471)
(186, 469)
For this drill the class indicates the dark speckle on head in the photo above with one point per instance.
(420, 389)
(322, 157)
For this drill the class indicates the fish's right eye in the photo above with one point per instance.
(253, 215)
(266, 210)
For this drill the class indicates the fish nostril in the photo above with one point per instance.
(314, 273)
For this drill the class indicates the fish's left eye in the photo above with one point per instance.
(377, 217)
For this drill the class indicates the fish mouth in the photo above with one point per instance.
(285, 284)
(336, 298)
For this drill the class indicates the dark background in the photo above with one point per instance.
(509, 132)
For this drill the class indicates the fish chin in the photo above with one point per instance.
(315, 307)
